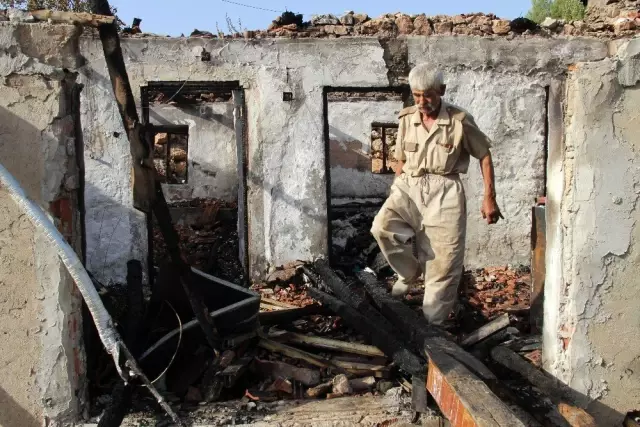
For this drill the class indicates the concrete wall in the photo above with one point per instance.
(592, 329)
(591, 325)
(350, 145)
(286, 176)
(42, 361)
(211, 157)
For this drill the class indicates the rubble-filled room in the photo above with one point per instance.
(186, 221)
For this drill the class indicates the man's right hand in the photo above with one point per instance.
(399, 168)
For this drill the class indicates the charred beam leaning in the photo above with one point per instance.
(383, 340)
(496, 325)
(147, 190)
(404, 318)
(559, 394)
(122, 393)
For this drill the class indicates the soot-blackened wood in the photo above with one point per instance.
(324, 277)
(144, 175)
(421, 333)
(281, 317)
(496, 325)
(171, 239)
(560, 394)
(147, 190)
(122, 393)
(375, 333)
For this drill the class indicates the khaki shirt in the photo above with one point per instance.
(443, 150)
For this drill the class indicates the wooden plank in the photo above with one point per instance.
(538, 267)
(373, 331)
(404, 318)
(463, 398)
(287, 316)
(559, 394)
(308, 377)
(147, 190)
(331, 344)
(496, 325)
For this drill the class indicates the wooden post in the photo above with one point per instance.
(147, 190)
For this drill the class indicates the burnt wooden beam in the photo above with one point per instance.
(420, 332)
(287, 316)
(485, 331)
(147, 190)
(122, 393)
(558, 393)
(538, 267)
(462, 397)
(374, 332)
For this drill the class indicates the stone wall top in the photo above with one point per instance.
(616, 19)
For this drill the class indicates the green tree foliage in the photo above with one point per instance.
(570, 10)
(540, 9)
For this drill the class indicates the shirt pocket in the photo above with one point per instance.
(444, 152)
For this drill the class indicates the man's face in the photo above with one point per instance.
(427, 101)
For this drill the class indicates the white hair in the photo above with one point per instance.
(425, 77)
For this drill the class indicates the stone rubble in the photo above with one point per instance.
(618, 18)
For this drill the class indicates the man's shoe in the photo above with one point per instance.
(402, 287)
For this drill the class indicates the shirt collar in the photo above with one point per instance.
(443, 116)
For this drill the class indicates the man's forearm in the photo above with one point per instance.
(486, 165)
(399, 168)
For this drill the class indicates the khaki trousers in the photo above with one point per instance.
(431, 209)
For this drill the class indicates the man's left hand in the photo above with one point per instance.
(490, 210)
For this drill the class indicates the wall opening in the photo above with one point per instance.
(199, 152)
(170, 153)
(360, 134)
(383, 141)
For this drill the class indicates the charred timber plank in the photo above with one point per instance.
(404, 318)
(331, 344)
(144, 174)
(496, 325)
(559, 394)
(122, 393)
(373, 331)
(463, 398)
(323, 276)
(147, 190)
(288, 316)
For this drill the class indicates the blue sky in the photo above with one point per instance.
(175, 17)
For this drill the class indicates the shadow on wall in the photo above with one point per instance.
(18, 156)
(12, 414)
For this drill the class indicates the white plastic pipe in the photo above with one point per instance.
(104, 324)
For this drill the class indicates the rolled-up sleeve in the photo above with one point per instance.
(475, 141)
(399, 152)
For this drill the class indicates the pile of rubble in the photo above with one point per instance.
(623, 16)
(475, 24)
(617, 18)
(207, 229)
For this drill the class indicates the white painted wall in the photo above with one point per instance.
(211, 154)
(351, 122)
(510, 109)
(592, 321)
(286, 152)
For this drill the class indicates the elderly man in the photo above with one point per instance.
(427, 201)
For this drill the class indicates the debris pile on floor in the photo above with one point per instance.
(208, 234)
